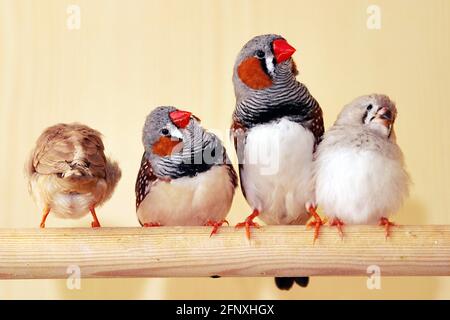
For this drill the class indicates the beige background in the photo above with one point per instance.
(130, 56)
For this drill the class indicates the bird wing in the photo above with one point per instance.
(315, 123)
(59, 146)
(238, 133)
(145, 179)
(231, 171)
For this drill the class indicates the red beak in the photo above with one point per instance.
(283, 50)
(180, 118)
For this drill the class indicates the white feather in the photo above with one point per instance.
(48, 190)
(277, 171)
(269, 64)
(189, 201)
(359, 186)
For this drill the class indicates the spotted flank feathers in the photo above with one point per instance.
(144, 181)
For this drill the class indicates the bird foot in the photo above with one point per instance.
(151, 224)
(95, 224)
(216, 225)
(338, 224)
(317, 223)
(248, 223)
(387, 226)
(44, 217)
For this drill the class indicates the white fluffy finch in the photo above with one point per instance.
(185, 178)
(360, 172)
(276, 127)
(69, 174)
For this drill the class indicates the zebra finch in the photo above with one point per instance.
(185, 178)
(69, 174)
(276, 127)
(359, 171)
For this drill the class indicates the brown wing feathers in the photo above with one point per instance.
(64, 147)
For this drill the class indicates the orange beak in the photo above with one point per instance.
(385, 117)
(386, 114)
(180, 118)
(282, 50)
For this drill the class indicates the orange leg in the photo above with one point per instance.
(249, 223)
(317, 223)
(95, 223)
(216, 225)
(338, 224)
(387, 225)
(151, 224)
(44, 216)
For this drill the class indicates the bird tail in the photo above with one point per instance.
(286, 283)
(78, 169)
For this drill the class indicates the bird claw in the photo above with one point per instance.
(387, 226)
(95, 224)
(248, 223)
(338, 224)
(151, 224)
(44, 217)
(317, 223)
(216, 225)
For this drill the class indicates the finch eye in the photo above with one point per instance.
(369, 107)
(165, 131)
(260, 54)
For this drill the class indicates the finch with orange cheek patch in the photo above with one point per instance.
(69, 174)
(277, 125)
(359, 171)
(185, 177)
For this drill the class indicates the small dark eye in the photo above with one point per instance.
(165, 131)
(260, 54)
(369, 107)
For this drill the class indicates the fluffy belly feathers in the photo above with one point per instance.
(277, 171)
(189, 201)
(67, 199)
(359, 187)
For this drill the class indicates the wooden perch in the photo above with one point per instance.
(190, 252)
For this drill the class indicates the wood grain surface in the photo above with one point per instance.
(190, 252)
